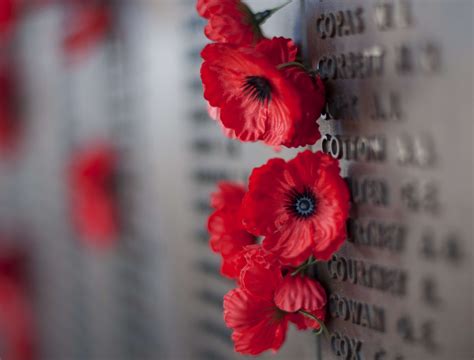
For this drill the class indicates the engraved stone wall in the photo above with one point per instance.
(399, 116)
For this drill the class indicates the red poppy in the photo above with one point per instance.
(90, 24)
(16, 317)
(227, 234)
(8, 15)
(230, 21)
(16, 321)
(256, 99)
(306, 210)
(260, 309)
(94, 201)
(9, 120)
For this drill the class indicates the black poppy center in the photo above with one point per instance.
(302, 204)
(258, 88)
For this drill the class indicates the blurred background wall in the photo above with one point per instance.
(124, 96)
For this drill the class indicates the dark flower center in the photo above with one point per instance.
(258, 88)
(301, 204)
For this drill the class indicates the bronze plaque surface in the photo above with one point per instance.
(399, 116)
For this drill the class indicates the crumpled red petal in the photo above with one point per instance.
(258, 325)
(293, 245)
(262, 273)
(300, 293)
(206, 8)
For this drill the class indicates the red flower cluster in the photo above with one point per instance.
(8, 16)
(94, 201)
(257, 91)
(302, 216)
(269, 297)
(254, 86)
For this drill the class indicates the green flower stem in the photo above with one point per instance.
(305, 265)
(274, 10)
(292, 63)
(263, 16)
(322, 327)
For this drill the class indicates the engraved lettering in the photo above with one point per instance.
(418, 196)
(359, 272)
(359, 313)
(393, 14)
(389, 236)
(354, 65)
(340, 23)
(386, 107)
(417, 150)
(370, 191)
(372, 148)
(345, 347)
(342, 106)
(429, 292)
(404, 60)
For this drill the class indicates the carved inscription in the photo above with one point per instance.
(384, 62)
(356, 312)
(345, 347)
(373, 276)
(352, 65)
(362, 148)
(377, 234)
(371, 191)
(389, 15)
(340, 23)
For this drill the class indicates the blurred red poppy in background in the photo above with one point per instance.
(9, 117)
(16, 314)
(8, 17)
(94, 196)
(89, 24)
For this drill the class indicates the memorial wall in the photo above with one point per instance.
(399, 118)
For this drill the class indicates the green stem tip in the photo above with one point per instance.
(322, 326)
(263, 16)
(292, 63)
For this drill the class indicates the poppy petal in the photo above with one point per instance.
(300, 293)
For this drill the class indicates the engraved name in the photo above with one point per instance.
(389, 236)
(372, 276)
(359, 313)
(340, 23)
(363, 148)
(369, 191)
(346, 347)
(352, 65)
